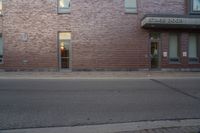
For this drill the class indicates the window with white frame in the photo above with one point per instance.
(193, 48)
(1, 48)
(130, 6)
(195, 6)
(63, 6)
(173, 48)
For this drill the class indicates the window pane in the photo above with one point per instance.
(64, 3)
(64, 36)
(131, 5)
(192, 46)
(173, 46)
(196, 5)
(65, 62)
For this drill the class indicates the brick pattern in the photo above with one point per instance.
(103, 35)
(40, 21)
(106, 37)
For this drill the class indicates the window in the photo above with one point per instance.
(0, 7)
(64, 44)
(173, 48)
(195, 6)
(63, 6)
(1, 48)
(131, 6)
(193, 49)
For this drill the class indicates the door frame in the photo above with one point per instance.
(59, 53)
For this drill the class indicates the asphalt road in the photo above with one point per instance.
(56, 103)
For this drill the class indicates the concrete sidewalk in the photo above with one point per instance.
(165, 126)
(97, 75)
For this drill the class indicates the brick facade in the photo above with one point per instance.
(103, 36)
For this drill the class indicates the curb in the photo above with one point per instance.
(112, 128)
(97, 75)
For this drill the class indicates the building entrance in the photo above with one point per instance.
(64, 47)
(155, 56)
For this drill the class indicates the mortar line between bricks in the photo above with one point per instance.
(175, 89)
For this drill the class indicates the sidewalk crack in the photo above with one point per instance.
(175, 89)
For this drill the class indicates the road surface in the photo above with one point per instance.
(71, 102)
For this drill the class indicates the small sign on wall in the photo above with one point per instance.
(24, 37)
(184, 54)
(164, 54)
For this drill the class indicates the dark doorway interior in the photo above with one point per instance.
(154, 45)
(154, 55)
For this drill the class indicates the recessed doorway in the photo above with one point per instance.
(155, 50)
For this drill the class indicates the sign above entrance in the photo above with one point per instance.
(170, 22)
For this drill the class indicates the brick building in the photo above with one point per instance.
(99, 34)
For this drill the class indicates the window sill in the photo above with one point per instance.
(131, 12)
(68, 12)
(64, 11)
(174, 61)
(193, 63)
(192, 12)
(193, 60)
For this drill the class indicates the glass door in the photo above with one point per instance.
(154, 55)
(154, 44)
(64, 46)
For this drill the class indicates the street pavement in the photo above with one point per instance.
(42, 103)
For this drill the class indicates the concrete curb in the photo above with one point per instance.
(112, 128)
(97, 75)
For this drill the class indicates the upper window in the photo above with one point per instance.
(0, 7)
(195, 6)
(1, 49)
(131, 6)
(63, 6)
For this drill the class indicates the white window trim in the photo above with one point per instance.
(63, 10)
(132, 10)
(193, 12)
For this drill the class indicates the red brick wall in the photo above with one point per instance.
(103, 35)
(40, 21)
